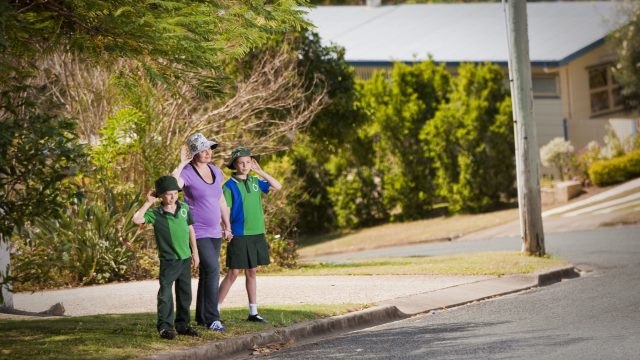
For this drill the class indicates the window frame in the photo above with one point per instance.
(610, 87)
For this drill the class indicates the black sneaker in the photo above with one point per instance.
(257, 318)
(189, 332)
(168, 334)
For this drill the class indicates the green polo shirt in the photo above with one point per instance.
(171, 231)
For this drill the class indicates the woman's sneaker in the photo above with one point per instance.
(217, 326)
(257, 318)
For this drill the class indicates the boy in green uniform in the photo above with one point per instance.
(176, 240)
(248, 248)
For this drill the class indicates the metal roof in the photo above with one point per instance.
(471, 32)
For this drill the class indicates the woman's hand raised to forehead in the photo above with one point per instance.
(184, 154)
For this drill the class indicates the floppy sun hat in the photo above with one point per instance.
(240, 152)
(197, 142)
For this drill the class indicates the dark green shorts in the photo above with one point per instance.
(247, 252)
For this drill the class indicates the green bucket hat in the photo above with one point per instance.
(166, 183)
(240, 152)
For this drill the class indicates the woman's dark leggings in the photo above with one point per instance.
(207, 298)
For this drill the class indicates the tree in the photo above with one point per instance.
(176, 43)
(173, 40)
(398, 109)
(329, 133)
(39, 151)
(468, 139)
(626, 41)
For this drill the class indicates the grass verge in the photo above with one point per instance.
(129, 336)
(436, 229)
(485, 263)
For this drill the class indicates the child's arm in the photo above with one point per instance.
(273, 183)
(195, 258)
(226, 223)
(184, 160)
(138, 217)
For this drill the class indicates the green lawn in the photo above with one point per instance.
(133, 335)
(485, 263)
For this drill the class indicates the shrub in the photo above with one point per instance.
(470, 141)
(93, 242)
(558, 155)
(615, 170)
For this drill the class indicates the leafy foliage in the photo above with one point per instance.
(172, 39)
(470, 140)
(355, 192)
(38, 152)
(397, 110)
(93, 242)
(626, 41)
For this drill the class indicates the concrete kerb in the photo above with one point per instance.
(386, 312)
(233, 346)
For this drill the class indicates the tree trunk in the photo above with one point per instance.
(6, 298)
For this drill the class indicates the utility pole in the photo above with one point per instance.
(527, 158)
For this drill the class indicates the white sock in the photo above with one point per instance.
(253, 309)
(218, 308)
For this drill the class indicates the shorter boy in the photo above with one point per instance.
(176, 240)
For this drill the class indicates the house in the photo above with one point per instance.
(574, 92)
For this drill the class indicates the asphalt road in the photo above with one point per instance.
(596, 316)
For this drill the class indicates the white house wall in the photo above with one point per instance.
(574, 84)
(547, 114)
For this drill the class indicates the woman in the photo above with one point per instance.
(202, 182)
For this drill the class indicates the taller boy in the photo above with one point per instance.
(248, 248)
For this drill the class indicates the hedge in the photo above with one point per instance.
(615, 170)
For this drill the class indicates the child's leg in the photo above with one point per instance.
(225, 285)
(183, 295)
(251, 284)
(169, 272)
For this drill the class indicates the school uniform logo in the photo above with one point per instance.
(183, 213)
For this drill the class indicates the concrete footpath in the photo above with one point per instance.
(391, 297)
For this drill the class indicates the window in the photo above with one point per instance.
(545, 86)
(604, 91)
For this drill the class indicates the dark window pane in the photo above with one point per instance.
(617, 97)
(597, 77)
(599, 101)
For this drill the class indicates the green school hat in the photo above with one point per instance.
(166, 183)
(238, 153)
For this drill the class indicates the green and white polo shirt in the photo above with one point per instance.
(171, 231)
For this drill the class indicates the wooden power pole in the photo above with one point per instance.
(527, 158)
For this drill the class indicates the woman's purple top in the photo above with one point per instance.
(203, 200)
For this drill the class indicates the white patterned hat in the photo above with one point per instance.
(197, 142)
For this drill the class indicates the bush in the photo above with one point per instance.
(470, 141)
(615, 170)
(558, 155)
(93, 242)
